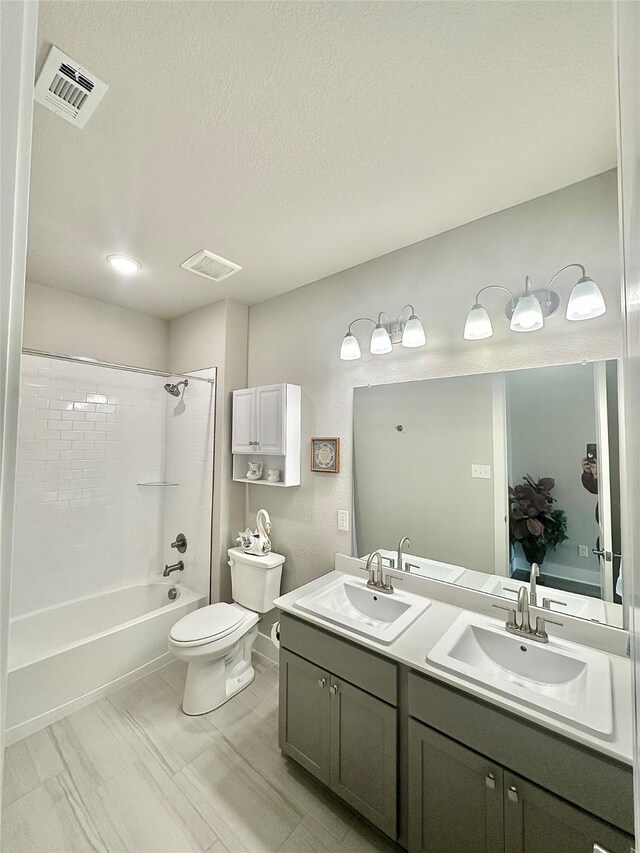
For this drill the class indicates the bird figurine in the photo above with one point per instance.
(257, 542)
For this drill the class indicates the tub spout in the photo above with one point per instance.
(176, 567)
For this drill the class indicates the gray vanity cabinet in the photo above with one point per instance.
(537, 821)
(339, 718)
(363, 753)
(342, 735)
(459, 800)
(437, 769)
(304, 727)
(455, 796)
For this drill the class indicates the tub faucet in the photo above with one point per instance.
(177, 567)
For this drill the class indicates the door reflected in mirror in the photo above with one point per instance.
(490, 473)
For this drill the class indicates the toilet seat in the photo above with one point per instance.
(208, 624)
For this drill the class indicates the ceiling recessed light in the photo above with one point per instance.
(123, 264)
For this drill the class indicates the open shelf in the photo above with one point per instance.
(258, 482)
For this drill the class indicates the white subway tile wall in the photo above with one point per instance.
(87, 436)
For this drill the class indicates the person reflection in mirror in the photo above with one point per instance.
(590, 479)
(590, 482)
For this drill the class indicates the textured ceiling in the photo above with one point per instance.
(301, 138)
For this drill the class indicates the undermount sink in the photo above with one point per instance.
(560, 678)
(350, 603)
(569, 603)
(428, 568)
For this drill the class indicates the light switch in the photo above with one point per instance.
(343, 519)
(583, 551)
(482, 472)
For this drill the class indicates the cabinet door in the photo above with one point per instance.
(304, 714)
(244, 432)
(455, 796)
(363, 753)
(270, 403)
(537, 821)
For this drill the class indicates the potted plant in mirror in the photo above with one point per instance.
(533, 523)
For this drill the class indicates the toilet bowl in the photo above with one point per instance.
(216, 641)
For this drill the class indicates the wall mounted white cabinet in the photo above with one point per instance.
(266, 428)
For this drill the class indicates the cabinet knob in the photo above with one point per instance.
(321, 683)
(333, 689)
(490, 781)
(512, 794)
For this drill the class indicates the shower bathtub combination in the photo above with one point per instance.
(114, 463)
(67, 655)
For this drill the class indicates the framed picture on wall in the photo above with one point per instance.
(325, 455)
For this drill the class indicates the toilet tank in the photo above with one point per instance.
(255, 581)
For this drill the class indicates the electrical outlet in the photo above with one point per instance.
(583, 551)
(481, 472)
(343, 520)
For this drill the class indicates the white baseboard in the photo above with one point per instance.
(264, 647)
(36, 723)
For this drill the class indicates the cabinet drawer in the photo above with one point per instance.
(345, 660)
(597, 784)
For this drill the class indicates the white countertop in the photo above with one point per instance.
(411, 649)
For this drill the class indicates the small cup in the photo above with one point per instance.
(273, 475)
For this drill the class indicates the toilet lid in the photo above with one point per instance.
(215, 620)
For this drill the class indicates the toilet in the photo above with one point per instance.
(216, 641)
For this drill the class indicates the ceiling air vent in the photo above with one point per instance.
(67, 89)
(210, 266)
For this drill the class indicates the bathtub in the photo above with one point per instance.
(65, 656)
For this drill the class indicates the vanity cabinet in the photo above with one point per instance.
(554, 795)
(536, 821)
(436, 769)
(460, 800)
(304, 726)
(455, 796)
(342, 735)
(266, 428)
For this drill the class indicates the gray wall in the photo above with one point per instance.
(296, 337)
(68, 324)
(418, 482)
(216, 336)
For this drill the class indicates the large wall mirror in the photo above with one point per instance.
(489, 473)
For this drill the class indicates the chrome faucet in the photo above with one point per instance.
(177, 567)
(376, 580)
(519, 621)
(400, 547)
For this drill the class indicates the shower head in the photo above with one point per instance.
(174, 390)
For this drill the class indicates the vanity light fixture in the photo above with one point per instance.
(380, 338)
(409, 333)
(124, 264)
(528, 311)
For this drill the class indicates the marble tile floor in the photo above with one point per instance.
(131, 772)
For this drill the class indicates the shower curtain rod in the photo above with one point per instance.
(93, 361)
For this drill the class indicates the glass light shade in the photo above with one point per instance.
(123, 264)
(350, 349)
(478, 325)
(413, 333)
(380, 341)
(586, 301)
(527, 316)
